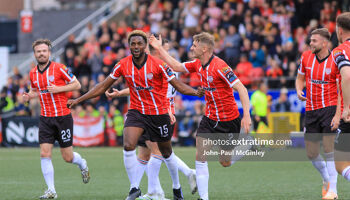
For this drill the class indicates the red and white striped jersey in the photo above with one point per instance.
(341, 56)
(52, 105)
(321, 81)
(148, 84)
(217, 78)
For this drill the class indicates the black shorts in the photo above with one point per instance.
(157, 127)
(342, 140)
(318, 123)
(145, 136)
(56, 128)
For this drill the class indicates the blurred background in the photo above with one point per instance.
(261, 40)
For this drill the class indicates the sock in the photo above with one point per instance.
(320, 165)
(130, 161)
(78, 160)
(346, 173)
(140, 169)
(183, 167)
(171, 163)
(202, 175)
(48, 173)
(333, 174)
(154, 165)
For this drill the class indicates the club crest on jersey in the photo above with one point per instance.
(51, 78)
(225, 69)
(210, 79)
(149, 76)
(328, 70)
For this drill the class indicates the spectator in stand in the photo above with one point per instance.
(243, 70)
(86, 33)
(191, 14)
(283, 104)
(186, 40)
(232, 43)
(257, 55)
(227, 13)
(21, 107)
(104, 29)
(212, 14)
(91, 45)
(110, 57)
(274, 73)
(96, 63)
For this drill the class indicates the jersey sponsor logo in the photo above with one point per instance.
(319, 81)
(51, 78)
(209, 89)
(210, 78)
(231, 76)
(138, 88)
(225, 69)
(169, 71)
(44, 91)
(328, 70)
(149, 76)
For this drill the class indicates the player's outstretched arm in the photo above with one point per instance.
(118, 93)
(96, 91)
(345, 82)
(299, 86)
(243, 95)
(185, 89)
(75, 85)
(164, 55)
(33, 93)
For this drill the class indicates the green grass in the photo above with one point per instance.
(21, 178)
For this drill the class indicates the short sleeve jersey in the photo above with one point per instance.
(321, 81)
(217, 79)
(148, 84)
(52, 105)
(341, 55)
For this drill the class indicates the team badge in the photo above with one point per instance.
(328, 70)
(51, 78)
(225, 69)
(210, 79)
(149, 76)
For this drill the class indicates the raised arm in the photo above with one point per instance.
(164, 55)
(96, 91)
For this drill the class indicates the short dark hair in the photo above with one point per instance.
(343, 21)
(41, 41)
(137, 33)
(322, 32)
(164, 41)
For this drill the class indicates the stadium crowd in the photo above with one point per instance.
(259, 39)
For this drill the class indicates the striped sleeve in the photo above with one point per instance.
(191, 66)
(301, 69)
(116, 73)
(340, 58)
(66, 74)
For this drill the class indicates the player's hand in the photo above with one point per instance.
(300, 94)
(335, 122)
(53, 88)
(172, 117)
(246, 123)
(26, 97)
(346, 114)
(156, 44)
(71, 103)
(115, 93)
(200, 92)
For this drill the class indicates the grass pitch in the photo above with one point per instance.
(21, 178)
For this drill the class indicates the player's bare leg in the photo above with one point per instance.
(313, 153)
(328, 146)
(47, 170)
(131, 136)
(170, 161)
(75, 158)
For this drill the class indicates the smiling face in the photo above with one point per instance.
(317, 43)
(42, 53)
(137, 46)
(197, 49)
